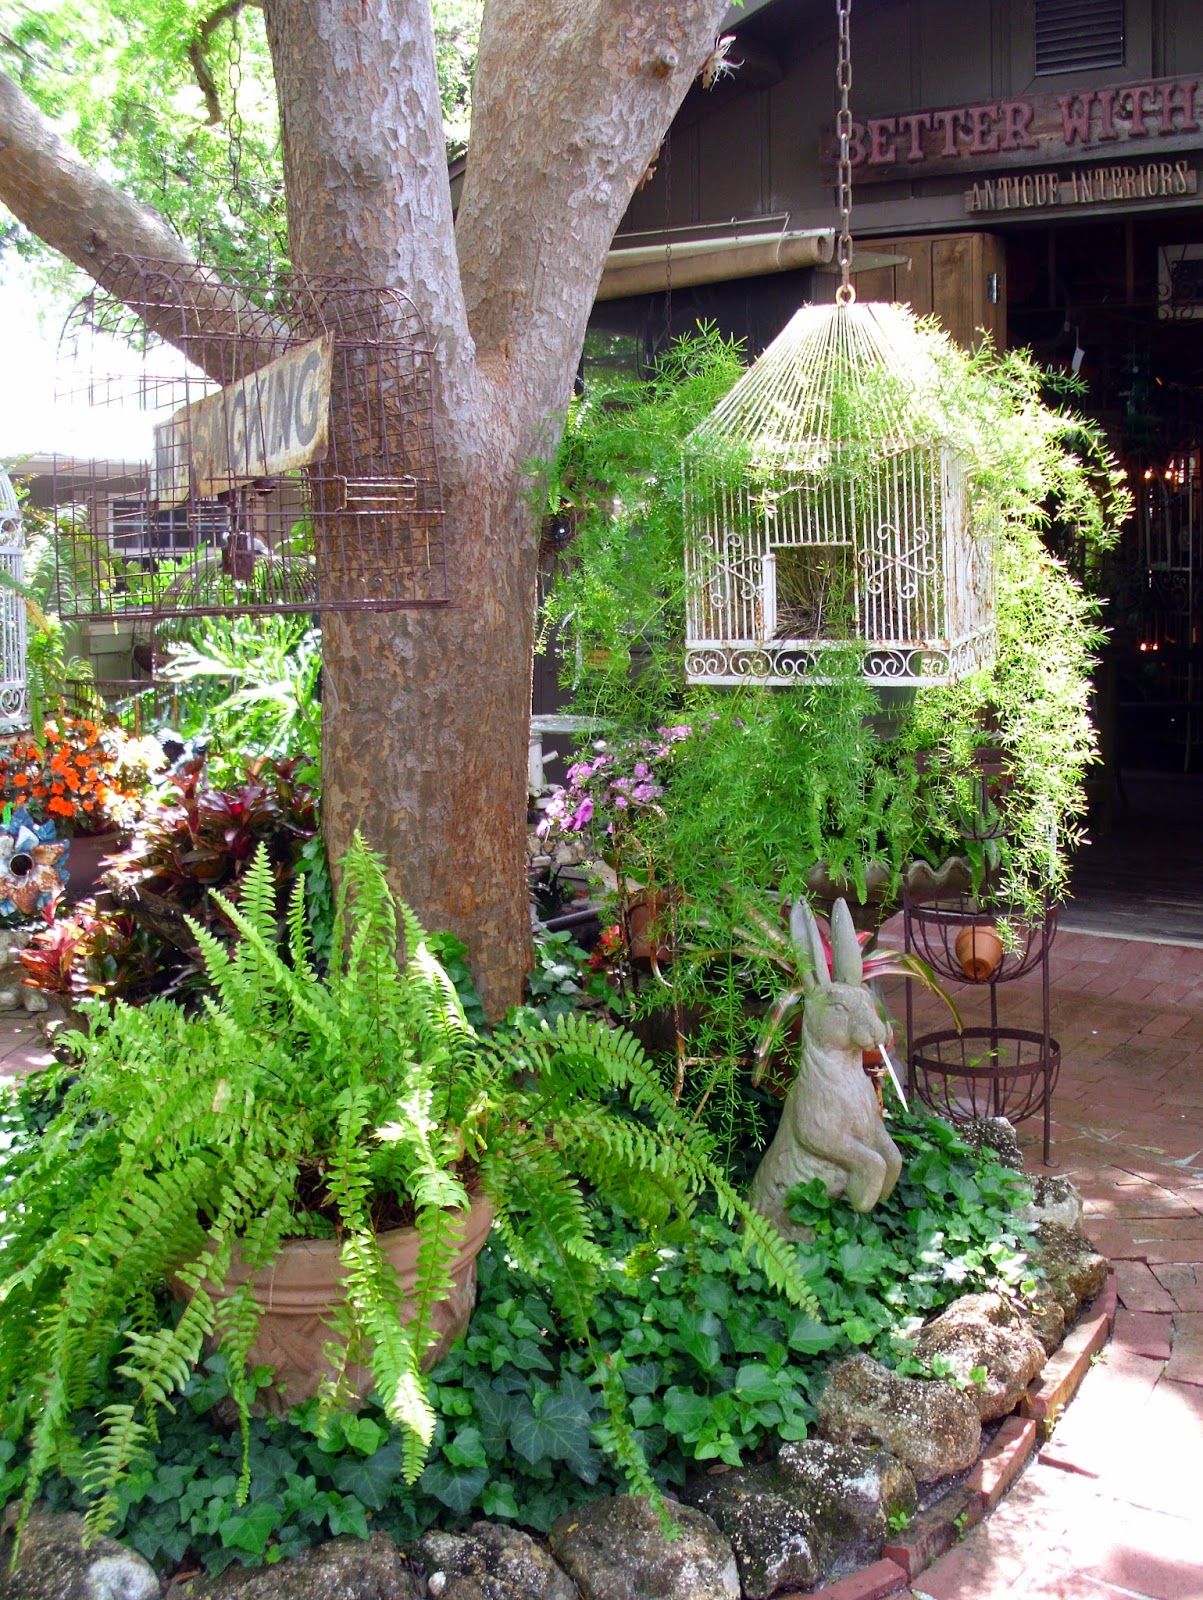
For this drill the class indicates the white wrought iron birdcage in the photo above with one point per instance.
(14, 697)
(826, 501)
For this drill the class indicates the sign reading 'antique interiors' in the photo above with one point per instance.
(1084, 186)
(1135, 121)
(269, 422)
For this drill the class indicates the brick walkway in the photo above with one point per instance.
(1113, 1506)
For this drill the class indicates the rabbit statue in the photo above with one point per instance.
(831, 1127)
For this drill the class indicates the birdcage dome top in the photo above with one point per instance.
(8, 496)
(863, 374)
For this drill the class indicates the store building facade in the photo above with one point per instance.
(1030, 168)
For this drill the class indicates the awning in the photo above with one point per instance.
(650, 269)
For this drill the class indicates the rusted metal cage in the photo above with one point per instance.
(825, 502)
(287, 458)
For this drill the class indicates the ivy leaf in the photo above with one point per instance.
(466, 1449)
(810, 1338)
(498, 1501)
(364, 1435)
(347, 1515)
(372, 1480)
(455, 1490)
(644, 1377)
(697, 1337)
(686, 1412)
(754, 1382)
(249, 1530)
(559, 1431)
(494, 1411)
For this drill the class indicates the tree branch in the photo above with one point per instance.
(571, 104)
(198, 53)
(90, 221)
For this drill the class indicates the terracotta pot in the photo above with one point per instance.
(873, 1060)
(979, 951)
(649, 925)
(86, 861)
(301, 1288)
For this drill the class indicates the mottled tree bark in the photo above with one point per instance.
(426, 711)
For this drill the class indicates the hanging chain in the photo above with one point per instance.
(235, 118)
(668, 238)
(845, 294)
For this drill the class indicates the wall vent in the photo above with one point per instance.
(1078, 35)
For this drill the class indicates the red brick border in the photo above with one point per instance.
(873, 1582)
(1065, 1369)
(936, 1530)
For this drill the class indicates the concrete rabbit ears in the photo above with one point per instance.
(804, 931)
(847, 965)
(844, 964)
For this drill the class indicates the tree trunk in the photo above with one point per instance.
(426, 711)
(425, 726)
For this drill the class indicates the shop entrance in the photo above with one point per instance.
(1120, 302)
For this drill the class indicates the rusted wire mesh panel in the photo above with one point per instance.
(283, 449)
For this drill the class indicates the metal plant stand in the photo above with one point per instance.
(984, 1071)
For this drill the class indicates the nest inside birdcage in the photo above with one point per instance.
(288, 459)
(827, 502)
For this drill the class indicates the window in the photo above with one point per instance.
(136, 531)
(1078, 35)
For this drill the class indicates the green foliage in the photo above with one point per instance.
(774, 781)
(90, 65)
(617, 483)
(714, 1364)
(292, 1105)
(948, 1229)
(248, 689)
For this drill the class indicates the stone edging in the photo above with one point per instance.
(938, 1528)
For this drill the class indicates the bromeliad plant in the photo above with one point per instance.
(788, 952)
(295, 1105)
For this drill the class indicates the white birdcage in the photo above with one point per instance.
(826, 501)
(14, 698)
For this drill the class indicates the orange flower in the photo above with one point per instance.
(60, 808)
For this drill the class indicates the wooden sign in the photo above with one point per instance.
(1131, 122)
(270, 421)
(1084, 186)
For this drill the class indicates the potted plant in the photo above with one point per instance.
(85, 778)
(607, 793)
(292, 1107)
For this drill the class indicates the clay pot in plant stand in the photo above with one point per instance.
(979, 951)
(649, 925)
(300, 1289)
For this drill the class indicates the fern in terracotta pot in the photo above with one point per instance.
(194, 1148)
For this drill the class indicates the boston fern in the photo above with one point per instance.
(299, 1106)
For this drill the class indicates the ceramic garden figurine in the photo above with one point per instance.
(831, 1127)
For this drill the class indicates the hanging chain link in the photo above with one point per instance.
(234, 121)
(668, 238)
(845, 294)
